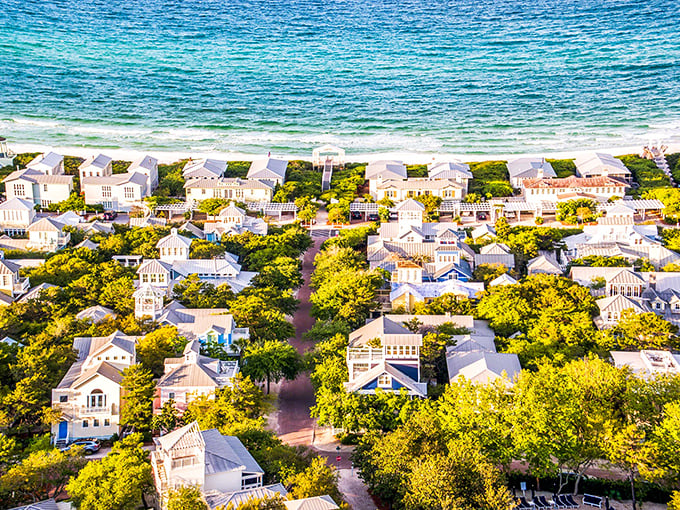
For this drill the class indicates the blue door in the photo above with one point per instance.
(63, 430)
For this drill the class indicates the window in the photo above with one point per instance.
(385, 381)
(96, 399)
(19, 190)
(129, 192)
(107, 422)
(171, 395)
(63, 398)
(85, 424)
(106, 191)
(95, 423)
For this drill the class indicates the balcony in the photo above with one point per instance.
(368, 354)
(21, 286)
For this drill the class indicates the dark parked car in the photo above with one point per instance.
(373, 217)
(356, 215)
(110, 215)
(90, 446)
(482, 216)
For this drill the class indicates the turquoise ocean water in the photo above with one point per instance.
(473, 76)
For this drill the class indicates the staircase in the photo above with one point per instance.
(656, 154)
(327, 175)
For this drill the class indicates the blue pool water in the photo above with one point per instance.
(474, 76)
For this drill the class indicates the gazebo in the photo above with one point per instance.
(7, 156)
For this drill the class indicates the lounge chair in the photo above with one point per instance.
(544, 502)
(521, 505)
(537, 503)
(557, 502)
(524, 504)
(591, 500)
(571, 501)
(563, 501)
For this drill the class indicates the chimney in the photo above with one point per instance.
(652, 280)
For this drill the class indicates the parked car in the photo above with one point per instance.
(90, 446)
(373, 217)
(482, 216)
(110, 215)
(356, 215)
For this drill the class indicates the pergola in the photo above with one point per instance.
(640, 206)
(273, 208)
(327, 157)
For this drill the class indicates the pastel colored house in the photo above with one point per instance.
(47, 235)
(269, 170)
(147, 166)
(119, 192)
(648, 363)
(233, 220)
(11, 283)
(16, 215)
(191, 376)
(204, 169)
(96, 166)
(89, 395)
(473, 357)
(38, 188)
(205, 459)
(455, 170)
(571, 188)
(384, 170)
(399, 190)
(384, 354)
(241, 190)
(48, 163)
(601, 165)
(521, 169)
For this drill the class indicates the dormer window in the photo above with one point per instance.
(385, 381)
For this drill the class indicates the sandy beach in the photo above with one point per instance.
(410, 158)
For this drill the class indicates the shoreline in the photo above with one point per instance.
(409, 158)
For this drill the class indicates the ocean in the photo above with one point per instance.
(457, 76)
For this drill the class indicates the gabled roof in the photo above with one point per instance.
(225, 453)
(617, 304)
(409, 205)
(625, 276)
(154, 266)
(34, 293)
(599, 164)
(144, 162)
(574, 182)
(174, 240)
(483, 230)
(268, 168)
(16, 204)
(46, 161)
(87, 244)
(98, 161)
(231, 210)
(448, 170)
(46, 225)
(378, 328)
(137, 178)
(36, 177)
(204, 168)
(228, 183)
(324, 502)
(544, 264)
(96, 313)
(185, 437)
(530, 168)
(8, 267)
(104, 369)
(381, 368)
(386, 169)
(504, 279)
(193, 230)
(495, 249)
(218, 499)
(48, 504)
(481, 366)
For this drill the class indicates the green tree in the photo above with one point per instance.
(186, 498)
(334, 259)
(240, 403)
(488, 272)
(573, 211)
(202, 249)
(116, 482)
(642, 331)
(212, 206)
(318, 479)
(154, 347)
(271, 361)
(168, 419)
(462, 479)
(282, 273)
(265, 503)
(42, 473)
(138, 394)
